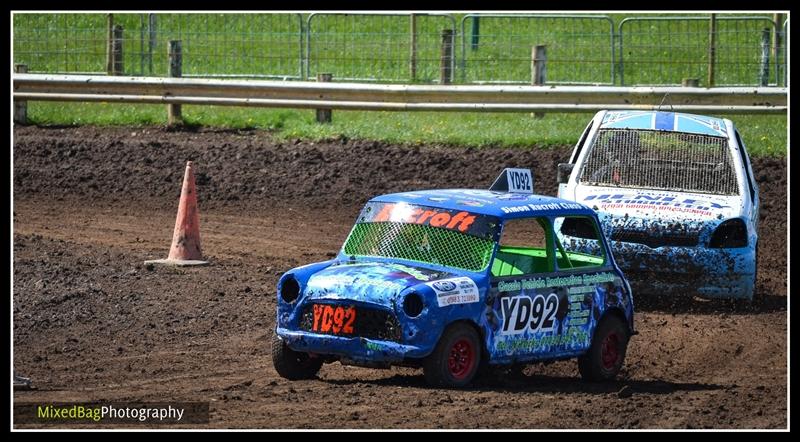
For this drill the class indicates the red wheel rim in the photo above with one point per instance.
(610, 351)
(461, 359)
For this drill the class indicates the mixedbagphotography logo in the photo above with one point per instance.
(133, 413)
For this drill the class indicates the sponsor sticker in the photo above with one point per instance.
(452, 291)
(482, 226)
(374, 346)
(415, 273)
(538, 207)
(587, 280)
(331, 281)
(655, 200)
(512, 197)
(470, 203)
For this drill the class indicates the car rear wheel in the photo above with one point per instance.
(456, 358)
(604, 359)
(293, 365)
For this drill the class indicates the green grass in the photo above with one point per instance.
(764, 135)
(378, 48)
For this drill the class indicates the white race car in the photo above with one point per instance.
(676, 196)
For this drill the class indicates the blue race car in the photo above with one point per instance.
(676, 195)
(454, 281)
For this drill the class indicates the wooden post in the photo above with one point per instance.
(538, 69)
(175, 55)
(690, 82)
(763, 73)
(109, 44)
(413, 48)
(777, 37)
(712, 48)
(116, 51)
(324, 115)
(446, 71)
(21, 106)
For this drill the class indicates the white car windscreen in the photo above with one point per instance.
(660, 160)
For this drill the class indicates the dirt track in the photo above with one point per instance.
(92, 323)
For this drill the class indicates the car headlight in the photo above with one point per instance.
(731, 233)
(413, 305)
(290, 290)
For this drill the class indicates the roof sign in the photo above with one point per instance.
(514, 181)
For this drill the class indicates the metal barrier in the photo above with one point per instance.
(387, 47)
(665, 50)
(317, 95)
(214, 45)
(580, 48)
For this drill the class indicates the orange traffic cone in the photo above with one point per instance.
(185, 250)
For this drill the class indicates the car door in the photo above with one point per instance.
(548, 298)
(751, 187)
(565, 170)
(594, 284)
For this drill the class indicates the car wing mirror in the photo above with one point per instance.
(564, 171)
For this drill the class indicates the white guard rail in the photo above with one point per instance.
(359, 96)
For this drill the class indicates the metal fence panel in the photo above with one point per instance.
(214, 45)
(665, 50)
(376, 47)
(232, 45)
(492, 48)
(74, 43)
(580, 48)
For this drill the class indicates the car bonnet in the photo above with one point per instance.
(368, 282)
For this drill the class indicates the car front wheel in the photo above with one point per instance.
(456, 358)
(604, 359)
(293, 365)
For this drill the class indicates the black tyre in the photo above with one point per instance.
(293, 365)
(607, 353)
(456, 358)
